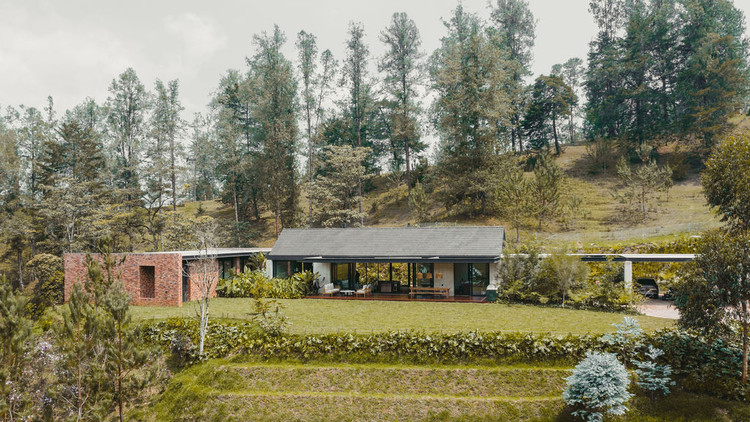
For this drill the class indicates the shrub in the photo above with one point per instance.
(48, 286)
(267, 314)
(627, 339)
(598, 386)
(703, 365)
(256, 284)
(562, 279)
(225, 338)
(652, 377)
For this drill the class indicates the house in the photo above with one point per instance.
(394, 259)
(453, 261)
(163, 278)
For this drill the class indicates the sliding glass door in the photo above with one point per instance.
(470, 279)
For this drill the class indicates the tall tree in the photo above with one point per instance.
(551, 99)
(308, 50)
(15, 220)
(238, 146)
(470, 79)
(719, 290)
(316, 85)
(166, 126)
(334, 193)
(276, 116)
(161, 154)
(15, 332)
(571, 73)
(202, 158)
(127, 107)
(515, 26)
(402, 66)
(725, 183)
(714, 78)
(355, 78)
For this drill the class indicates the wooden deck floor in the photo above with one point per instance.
(405, 297)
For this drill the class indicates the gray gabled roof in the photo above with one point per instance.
(390, 244)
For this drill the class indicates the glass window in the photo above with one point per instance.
(425, 275)
(341, 275)
(226, 268)
(461, 283)
(281, 269)
(480, 279)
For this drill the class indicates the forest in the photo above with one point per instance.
(297, 140)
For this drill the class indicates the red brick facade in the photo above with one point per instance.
(151, 278)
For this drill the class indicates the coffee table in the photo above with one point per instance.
(347, 292)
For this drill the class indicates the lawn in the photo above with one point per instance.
(221, 390)
(325, 316)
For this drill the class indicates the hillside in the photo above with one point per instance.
(682, 211)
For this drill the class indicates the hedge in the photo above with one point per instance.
(226, 338)
(711, 366)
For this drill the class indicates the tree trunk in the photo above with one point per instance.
(359, 182)
(309, 168)
(19, 257)
(745, 345)
(174, 186)
(236, 211)
(408, 168)
(276, 223)
(119, 371)
(554, 134)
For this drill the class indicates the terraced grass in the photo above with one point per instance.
(223, 390)
(325, 316)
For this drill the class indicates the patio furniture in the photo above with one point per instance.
(347, 292)
(364, 291)
(445, 291)
(329, 290)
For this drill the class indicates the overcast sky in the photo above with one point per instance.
(72, 49)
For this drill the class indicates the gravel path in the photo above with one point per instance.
(660, 309)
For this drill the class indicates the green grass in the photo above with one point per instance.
(222, 390)
(325, 316)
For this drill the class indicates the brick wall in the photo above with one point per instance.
(167, 276)
(196, 270)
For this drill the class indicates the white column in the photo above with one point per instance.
(628, 274)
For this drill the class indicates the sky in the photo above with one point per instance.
(72, 49)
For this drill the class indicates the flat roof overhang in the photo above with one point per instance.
(223, 253)
(388, 259)
(683, 257)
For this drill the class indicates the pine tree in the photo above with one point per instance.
(551, 100)
(335, 194)
(546, 188)
(355, 78)
(401, 63)
(714, 78)
(470, 80)
(15, 333)
(127, 356)
(514, 23)
(276, 116)
(316, 85)
(82, 387)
